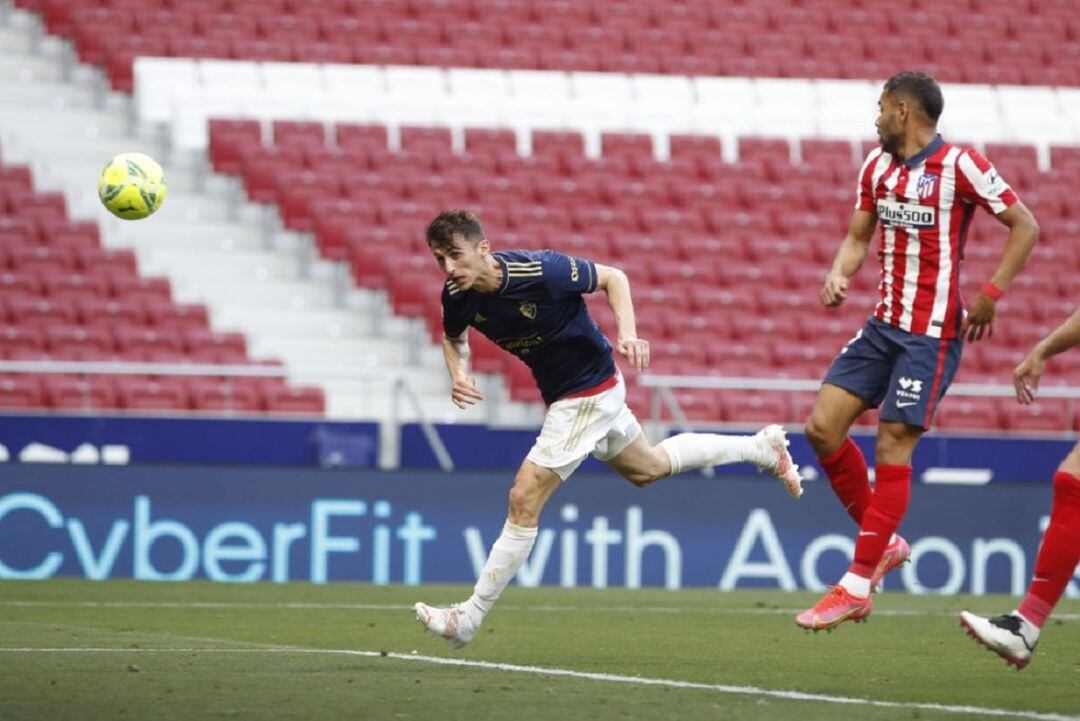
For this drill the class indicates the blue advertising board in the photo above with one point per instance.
(246, 524)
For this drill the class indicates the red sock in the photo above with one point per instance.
(892, 491)
(850, 481)
(1059, 552)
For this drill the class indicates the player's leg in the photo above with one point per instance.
(643, 463)
(834, 412)
(919, 376)
(533, 486)
(878, 548)
(1013, 635)
(856, 380)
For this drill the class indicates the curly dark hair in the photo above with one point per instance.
(921, 88)
(441, 231)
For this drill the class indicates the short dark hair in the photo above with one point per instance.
(441, 231)
(920, 87)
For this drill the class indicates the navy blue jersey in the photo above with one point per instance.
(538, 315)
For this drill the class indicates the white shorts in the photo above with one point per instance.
(601, 424)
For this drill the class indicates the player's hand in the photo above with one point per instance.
(1026, 377)
(636, 351)
(835, 289)
(979, 320)
(464, 391)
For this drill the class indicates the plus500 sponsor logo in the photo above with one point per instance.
(906, 215)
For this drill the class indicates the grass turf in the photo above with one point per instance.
(201, 650)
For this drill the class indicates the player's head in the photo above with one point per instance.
(457, 240)
(908, 101)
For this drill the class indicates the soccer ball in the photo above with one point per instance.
(132, 186)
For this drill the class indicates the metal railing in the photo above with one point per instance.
(661, 395)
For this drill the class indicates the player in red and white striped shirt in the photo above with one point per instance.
(923, 192)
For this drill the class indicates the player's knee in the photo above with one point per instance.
(647, 475)
(896, 443)
(821, 437)
(641, 478)
(524, 503)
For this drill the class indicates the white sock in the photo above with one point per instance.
(508, 552)
(689, 451)
(855, 584)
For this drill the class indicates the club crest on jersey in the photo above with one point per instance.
(528, 310)
(926, 184)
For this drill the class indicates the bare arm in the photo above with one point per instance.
(1027, 374)
(1023, 233)
(463, 386)
(616, 287)
(849, 258)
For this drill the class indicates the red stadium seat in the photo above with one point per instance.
(93, 393)
(204, 340)
(152, 395)
(228, 138)
(20, 338)
(1045, 416)
(225, 396)
(21, 392)
(493, 142)
(294, 400)
(967, 413)
(300, 133)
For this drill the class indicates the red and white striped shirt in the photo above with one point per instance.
(925, 206)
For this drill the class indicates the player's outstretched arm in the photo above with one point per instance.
(849, 258)
(616, 286)
(463, 390)
(1027, 374)
(1023, 233)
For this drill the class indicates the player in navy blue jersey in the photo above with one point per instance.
(530, 303)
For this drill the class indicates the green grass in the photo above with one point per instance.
(200, 650)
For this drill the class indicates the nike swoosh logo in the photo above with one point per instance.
(905, 405)
(867, 533)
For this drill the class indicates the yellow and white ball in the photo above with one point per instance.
(132, 186)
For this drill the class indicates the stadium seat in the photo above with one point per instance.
(281, 399)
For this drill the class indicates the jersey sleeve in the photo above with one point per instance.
(454, 321)
(864, 194)
(978, 181)
(566, 275)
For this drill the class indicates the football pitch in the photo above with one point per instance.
(123, 649)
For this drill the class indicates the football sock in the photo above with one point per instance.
(507, 554)
(688, 451)
(892, 491)
(1058, 554)
(847, 472)
(855, 584)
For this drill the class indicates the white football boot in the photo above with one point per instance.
(776, 460)
(1010, 635)
(449, 623)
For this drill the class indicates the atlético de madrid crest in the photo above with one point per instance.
(528, 310)
(925, 186)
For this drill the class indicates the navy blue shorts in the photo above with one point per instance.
(907, 372)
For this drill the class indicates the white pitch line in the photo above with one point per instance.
(506, 606)
(588, 676)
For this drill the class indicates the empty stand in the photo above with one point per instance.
(64, 297)
(723, 281)
(624, 37)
